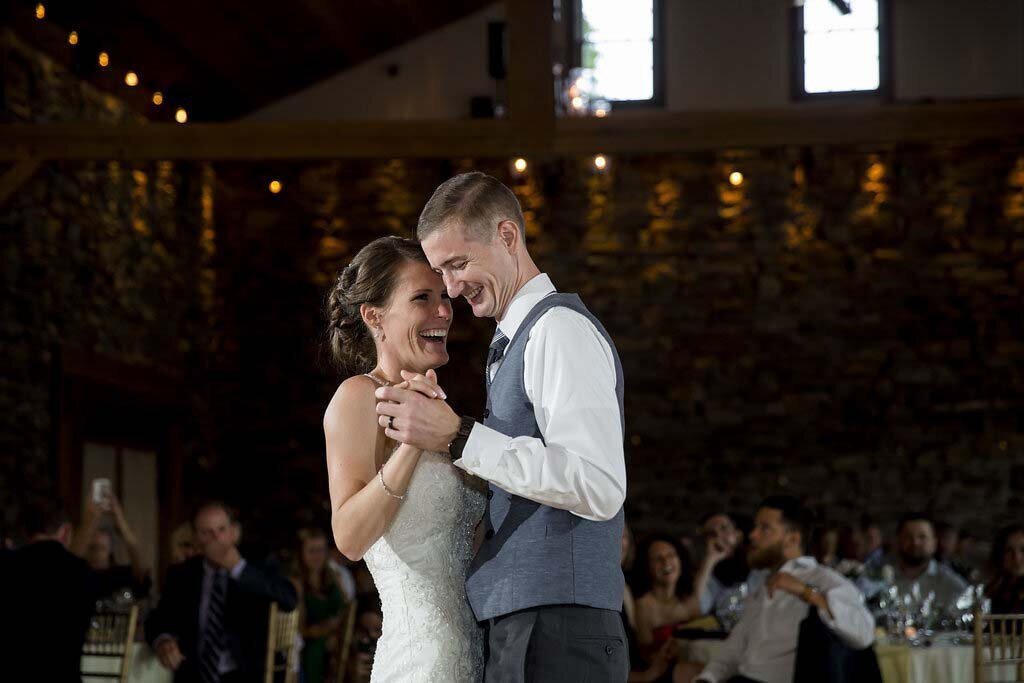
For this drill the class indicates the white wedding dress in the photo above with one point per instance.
(419, 566)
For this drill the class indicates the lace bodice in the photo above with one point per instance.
(419, 566)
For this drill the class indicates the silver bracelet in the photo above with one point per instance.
(380, 474)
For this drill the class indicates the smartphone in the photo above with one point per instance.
(101, 491)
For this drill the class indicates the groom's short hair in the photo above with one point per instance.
(475, 201)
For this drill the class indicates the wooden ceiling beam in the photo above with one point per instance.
(637, 134)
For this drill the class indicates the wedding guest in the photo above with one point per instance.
(915, 564)
(762, 647)
(874, 544)
(826, 546)
(1006, 588)
(50, 594)
(182, 543)
(322, 603)
(669, 591)
(725, 585)
(97, 548)
(946, 536)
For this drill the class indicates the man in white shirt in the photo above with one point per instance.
(762, 647)
(548, 577)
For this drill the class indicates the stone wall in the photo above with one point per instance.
(111, 259)
(846, 324)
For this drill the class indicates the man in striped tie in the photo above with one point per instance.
(210, 625)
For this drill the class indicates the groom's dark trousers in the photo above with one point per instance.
(558, 644)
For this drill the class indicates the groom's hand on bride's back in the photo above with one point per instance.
(410, 416)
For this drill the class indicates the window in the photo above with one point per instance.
(618, 50)
(839, 53)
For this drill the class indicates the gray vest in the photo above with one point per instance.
(533, 554)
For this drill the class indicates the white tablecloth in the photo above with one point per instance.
(145, 667)
(899, 663)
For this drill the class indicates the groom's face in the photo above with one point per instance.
(480, 271)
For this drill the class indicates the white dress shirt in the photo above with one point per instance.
(763, 644)
(569, 376)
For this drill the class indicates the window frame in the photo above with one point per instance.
(798, 91)
(575, 41)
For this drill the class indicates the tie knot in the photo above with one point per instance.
(498, 342)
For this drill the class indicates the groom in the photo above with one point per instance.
(547, 579)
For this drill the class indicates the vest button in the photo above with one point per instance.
(490, 534)
(490, 494)
(487, 413)
(608, 649)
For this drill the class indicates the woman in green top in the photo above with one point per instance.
(322, 603)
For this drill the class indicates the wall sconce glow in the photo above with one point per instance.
(158, 98)
(40, 11)
(181, 116)
(275, 186)
(104, 59)
(73, 38)
(600, 162)
(735, 178)
(131, 79)
(519, 165)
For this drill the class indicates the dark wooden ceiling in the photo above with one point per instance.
(224, 58)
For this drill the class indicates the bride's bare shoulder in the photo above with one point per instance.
(353, 400)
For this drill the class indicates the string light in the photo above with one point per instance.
(73, 38)
(181, 116)
(131, 79)
(735, 178)
(104, 59)
(40, 11)
(275, 186)
(600, 162)
(519, 165)
(158, 98)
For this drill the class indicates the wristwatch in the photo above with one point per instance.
(461, 437)
(807, 594)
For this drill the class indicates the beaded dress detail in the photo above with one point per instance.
(419, 566)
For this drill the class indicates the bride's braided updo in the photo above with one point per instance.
(369, 279)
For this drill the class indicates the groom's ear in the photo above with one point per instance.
(508, 233)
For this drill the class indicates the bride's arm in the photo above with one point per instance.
(360, 507)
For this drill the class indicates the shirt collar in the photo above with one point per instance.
(802, 563)
(523, 302)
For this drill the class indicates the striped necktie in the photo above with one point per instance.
(495, 352)
(211, 647)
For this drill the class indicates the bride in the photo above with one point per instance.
(409, 513)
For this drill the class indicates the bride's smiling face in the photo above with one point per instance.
(415, 322)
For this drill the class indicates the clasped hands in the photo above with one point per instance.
(417, 413)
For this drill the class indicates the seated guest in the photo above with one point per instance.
(96, 546)
(368, 629)
(762, 647)
(874, 545)
(182, 543)
(669, 594)
(915, 564)
(211, 622)
(1006, 588)
(723, 538)
(826, 546)
(321, 600)
(49, 594)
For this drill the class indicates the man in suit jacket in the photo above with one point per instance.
(50, 593)
(211, 623)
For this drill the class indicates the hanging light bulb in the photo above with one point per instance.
(520, 165)
(73, 38)
(131, 79)
(158, 98)
(181, 116)
(600, 162)
(40, 11)
(735, 178)
(103, 59)
(275, 186)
